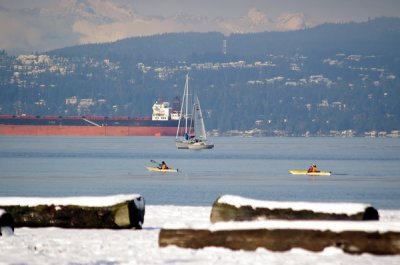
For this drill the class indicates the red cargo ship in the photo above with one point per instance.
(164, 122)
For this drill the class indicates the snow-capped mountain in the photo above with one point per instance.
(45, 25)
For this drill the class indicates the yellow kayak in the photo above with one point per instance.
(305, 172)
(162, 170)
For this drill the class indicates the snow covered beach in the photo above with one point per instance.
(56, 167)
(105, 246)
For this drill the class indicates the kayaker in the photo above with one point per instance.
(312, 168)
(163, 165)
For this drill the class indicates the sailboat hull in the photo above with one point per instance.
(194, 145)
(182, 145)
(199, 146)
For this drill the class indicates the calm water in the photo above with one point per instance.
(365, 170)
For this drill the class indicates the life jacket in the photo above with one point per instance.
(312, 169)
(164, 166)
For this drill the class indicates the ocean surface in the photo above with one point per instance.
(365, 170)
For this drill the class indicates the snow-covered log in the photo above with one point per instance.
(235, 208)
(118, 211)
(6, 223)
(354, 237)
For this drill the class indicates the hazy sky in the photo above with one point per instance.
(39, 25)
(329, 10)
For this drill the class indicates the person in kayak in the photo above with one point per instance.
(163, 165)
(312, 169)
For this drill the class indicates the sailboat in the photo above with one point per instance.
(191, 134)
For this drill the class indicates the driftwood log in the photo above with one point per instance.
(244, 224)
(235, 208)
(66, 213)
(6, 223)
(353, 242)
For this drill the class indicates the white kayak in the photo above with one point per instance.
(162, 170)
(305, 172)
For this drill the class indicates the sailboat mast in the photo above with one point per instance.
(187, 102)
(184, 103)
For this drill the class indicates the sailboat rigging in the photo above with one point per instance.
(191, 134)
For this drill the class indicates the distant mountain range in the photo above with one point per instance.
(43, 25)
(324, 80)
(375, 36)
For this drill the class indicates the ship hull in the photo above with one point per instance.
(85, 126)
(49, 130)
(159, 124)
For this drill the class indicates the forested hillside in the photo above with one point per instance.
(322, 80)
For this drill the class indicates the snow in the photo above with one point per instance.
(104, 246)
(334, 208)
(95, 201)
(334, 226)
